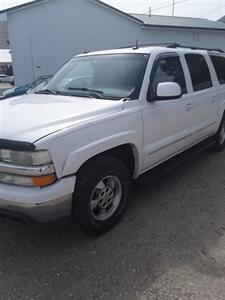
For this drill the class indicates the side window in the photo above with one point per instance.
(168, 69)
(199, 71)
(219, 65)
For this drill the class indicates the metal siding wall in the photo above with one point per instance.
(208, 39)
(20, 49)
(48, 34)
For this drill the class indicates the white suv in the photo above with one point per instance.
(104, 119)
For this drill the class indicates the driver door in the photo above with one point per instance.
(167, 123)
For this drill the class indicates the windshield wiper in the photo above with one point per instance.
(47, 91)
(95, 93)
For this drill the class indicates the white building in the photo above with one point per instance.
(44, 34)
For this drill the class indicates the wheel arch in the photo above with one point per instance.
(127, 153)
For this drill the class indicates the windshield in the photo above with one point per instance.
(113, 76)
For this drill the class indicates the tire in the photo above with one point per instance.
(101, 194)
(220, 138)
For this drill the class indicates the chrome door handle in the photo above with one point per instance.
(189, 106)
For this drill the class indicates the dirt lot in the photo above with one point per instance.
(170, 245)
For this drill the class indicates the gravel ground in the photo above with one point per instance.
(169, 245)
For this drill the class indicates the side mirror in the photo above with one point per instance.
(168, 91)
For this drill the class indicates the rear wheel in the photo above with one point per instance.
(101, 194)
(220, 138)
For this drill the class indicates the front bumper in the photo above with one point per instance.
(40, 205)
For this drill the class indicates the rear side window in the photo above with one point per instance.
(219, 65)
(168, 69)
(199, 71)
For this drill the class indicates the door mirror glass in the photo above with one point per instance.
(168, 91)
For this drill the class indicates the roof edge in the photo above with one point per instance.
(118, 11)
(177, 17)
(182, 27)
(22, 6)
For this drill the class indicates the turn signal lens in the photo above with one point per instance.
(27, 181)
(44, 180)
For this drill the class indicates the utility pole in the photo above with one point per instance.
(173, 11)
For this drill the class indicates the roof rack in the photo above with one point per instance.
(172, 46)
(175, 45)
(137, 45)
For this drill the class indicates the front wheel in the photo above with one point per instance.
(101, 194)
(220, 138)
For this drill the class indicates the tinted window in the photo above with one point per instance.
(199, 72)
(219, 65)
(168, 69)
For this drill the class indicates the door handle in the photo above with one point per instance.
(189, 106)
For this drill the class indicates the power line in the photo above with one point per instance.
(161, 7)
(164, 4)
(205, 12)
(212, 11)
(168, 5)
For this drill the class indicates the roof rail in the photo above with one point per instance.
(175, 45)
(137, 45)
(170, 45)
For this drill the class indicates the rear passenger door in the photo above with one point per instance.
(204, 102)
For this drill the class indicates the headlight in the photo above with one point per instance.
(37, 158)
(31, 169)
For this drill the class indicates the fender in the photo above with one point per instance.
(73, 147)
(79, 156)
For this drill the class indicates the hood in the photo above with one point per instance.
(31, 117)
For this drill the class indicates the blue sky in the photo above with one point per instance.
(210, 9)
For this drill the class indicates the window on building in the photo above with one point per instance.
(219, 65)
(196, 36)
(168, 69)
(199, 71)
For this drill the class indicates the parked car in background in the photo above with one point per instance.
(6, 79)
(16, 91)
(38, 84)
